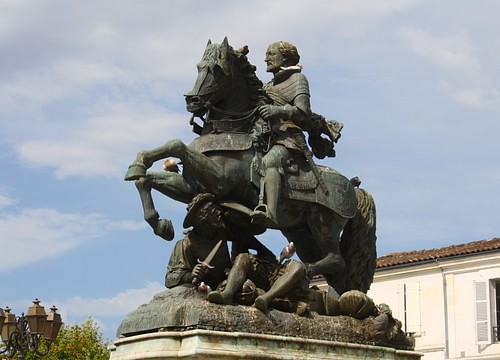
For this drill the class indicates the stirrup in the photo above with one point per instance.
(261, 208)
(260, 216)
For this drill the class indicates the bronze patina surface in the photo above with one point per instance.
(251, 168)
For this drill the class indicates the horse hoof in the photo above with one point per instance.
(165, 229)
(135, 172)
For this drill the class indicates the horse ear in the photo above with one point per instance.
(206, 49)
(225, 46)
(225, 56)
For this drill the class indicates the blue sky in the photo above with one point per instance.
(85, 85)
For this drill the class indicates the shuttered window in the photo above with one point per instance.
(495, 289)
(483, 327)
(409, 307)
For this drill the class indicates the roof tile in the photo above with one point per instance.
(394, 259)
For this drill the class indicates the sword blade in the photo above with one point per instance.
(208, 260)
(211, 254)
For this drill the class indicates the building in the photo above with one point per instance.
(447, 298)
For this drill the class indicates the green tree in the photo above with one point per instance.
(77, 342)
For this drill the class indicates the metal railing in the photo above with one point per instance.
(496, 333)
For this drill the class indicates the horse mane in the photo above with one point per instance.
(257, 95)
(255, 86)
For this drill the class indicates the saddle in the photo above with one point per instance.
(300, 183)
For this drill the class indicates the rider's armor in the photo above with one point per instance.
(290, 89)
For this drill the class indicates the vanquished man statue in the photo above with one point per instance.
(208, 227)
(288, 116)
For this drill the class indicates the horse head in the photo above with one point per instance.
(214, 81)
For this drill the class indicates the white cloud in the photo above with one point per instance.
(453, 53)
(67, 78)
(31, 235)
(85, 73)
(104, 58)
(473, 96)
(97, 146)
(104, 311)
(64, 56)
(117, 305)
(5, 201)
(462, 74)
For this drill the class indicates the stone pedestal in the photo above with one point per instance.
(180, 323)
(217, 345)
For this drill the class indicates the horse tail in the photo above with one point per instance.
(357, 244)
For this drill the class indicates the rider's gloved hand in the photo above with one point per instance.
(274, 111)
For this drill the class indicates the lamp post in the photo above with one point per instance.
(33, 332)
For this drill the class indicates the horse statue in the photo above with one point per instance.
(332, 225)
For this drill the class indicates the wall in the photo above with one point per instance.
(441, 295)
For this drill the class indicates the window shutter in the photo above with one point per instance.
(483, 328)
(409, 311)
(400, 315)
(413, 324)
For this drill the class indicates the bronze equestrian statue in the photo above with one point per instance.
(245, 134)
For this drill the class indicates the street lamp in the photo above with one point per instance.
(33, 332)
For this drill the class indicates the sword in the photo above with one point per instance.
(208, 260)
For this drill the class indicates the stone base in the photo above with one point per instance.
(207, 344)
(181, 323)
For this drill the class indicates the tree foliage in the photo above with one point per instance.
(77, 342)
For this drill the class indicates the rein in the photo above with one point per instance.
(239, 122)
(234, 116)
(235, 122)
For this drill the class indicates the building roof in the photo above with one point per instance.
(405, 258)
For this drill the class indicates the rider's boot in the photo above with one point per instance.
(266, 213)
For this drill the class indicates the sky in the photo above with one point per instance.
(85, 85)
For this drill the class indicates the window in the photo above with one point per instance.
(496, 328)
(487, 311)
(483, 334)
(409, 307)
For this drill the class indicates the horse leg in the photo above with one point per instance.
(161, 227)
(326, 228)
(207, 171)
(172, 185)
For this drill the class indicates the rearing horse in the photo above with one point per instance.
(333, 229)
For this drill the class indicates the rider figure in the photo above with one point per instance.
(288, 116)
